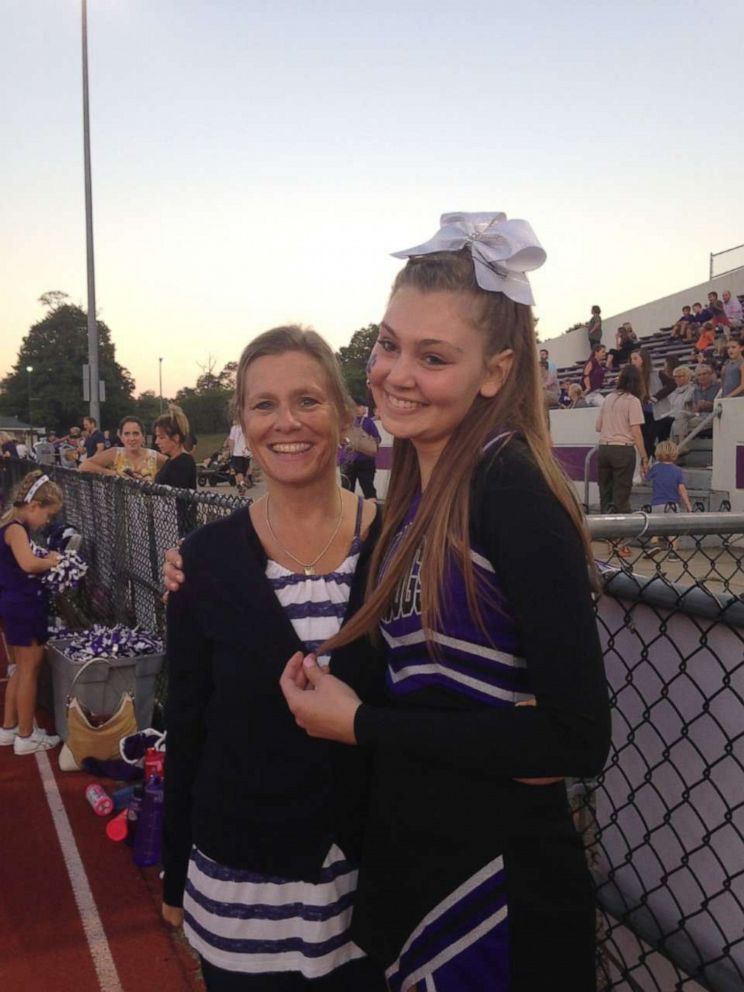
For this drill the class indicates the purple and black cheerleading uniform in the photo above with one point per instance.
(471, 880)
(24, 603)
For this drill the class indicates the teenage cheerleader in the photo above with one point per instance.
(472, 875)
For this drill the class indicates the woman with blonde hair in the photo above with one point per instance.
(262, 825)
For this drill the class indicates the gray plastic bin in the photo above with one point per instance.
(98, 688)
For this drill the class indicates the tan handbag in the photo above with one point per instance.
(89, 738)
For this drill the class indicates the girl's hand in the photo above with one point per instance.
(328, 710)
(173, 576)
(53, 558)
(172, 915)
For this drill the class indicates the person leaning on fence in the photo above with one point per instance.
(170, 431)
(620, 437)
(261, 823)
(24, 608)
(699, 406)
(131, 461)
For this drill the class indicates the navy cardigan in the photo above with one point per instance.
(243, 782)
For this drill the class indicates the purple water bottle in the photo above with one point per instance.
(150, 826)
(133, 811)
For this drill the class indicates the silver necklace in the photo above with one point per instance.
(308, 566)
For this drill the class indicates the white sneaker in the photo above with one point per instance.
(37, 740)
(7, 735)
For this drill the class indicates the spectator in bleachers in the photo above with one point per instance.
(594, 327)
(718, 314)
(699, 316)
(733, 310)
(576, 397)
(699, 405)
(564, 399)
(625, 340)
(706, 338)
(718, 355)
(550, 385)
(732, 379)
(619, 425)
(683, 328)
(593, 376)
(669, 406)
(651, 391)
(545, 355)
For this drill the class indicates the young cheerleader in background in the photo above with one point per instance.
(472, 875)
(24, 608)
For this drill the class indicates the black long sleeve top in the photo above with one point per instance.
(243, 782)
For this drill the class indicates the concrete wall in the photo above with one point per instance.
(646, 319)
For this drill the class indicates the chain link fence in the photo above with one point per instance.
(665, 821)
(126, 528)
(664, 824)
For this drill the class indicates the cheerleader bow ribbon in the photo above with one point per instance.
(503, 250)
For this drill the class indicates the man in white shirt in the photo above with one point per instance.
(733, 309)
(240, 458)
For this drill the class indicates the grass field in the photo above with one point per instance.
(208, 443)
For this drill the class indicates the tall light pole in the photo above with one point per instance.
(29, 370)
(95, 406)
(160, 366)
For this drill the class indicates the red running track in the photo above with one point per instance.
(44, 947)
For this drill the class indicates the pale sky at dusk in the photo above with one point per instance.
(255, 162)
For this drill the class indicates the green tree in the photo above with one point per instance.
(56, 348)
(208, 403)
(354, 356)
(147, 407)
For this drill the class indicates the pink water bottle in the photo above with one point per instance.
(116, 829)
(99, 799)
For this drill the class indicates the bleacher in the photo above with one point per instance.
(697, 459)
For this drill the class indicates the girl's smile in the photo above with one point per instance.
(429, 367)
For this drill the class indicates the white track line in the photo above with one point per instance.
(100, 951)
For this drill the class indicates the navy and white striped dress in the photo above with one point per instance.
(246, 922)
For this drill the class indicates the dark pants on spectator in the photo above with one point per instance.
(356, 976)
(361, 470)
(664, 428)
(648, 429)
(615, 467)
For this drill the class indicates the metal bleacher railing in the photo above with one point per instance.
(664, 823)
(726, 261)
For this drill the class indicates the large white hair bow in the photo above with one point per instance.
(503, 250)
